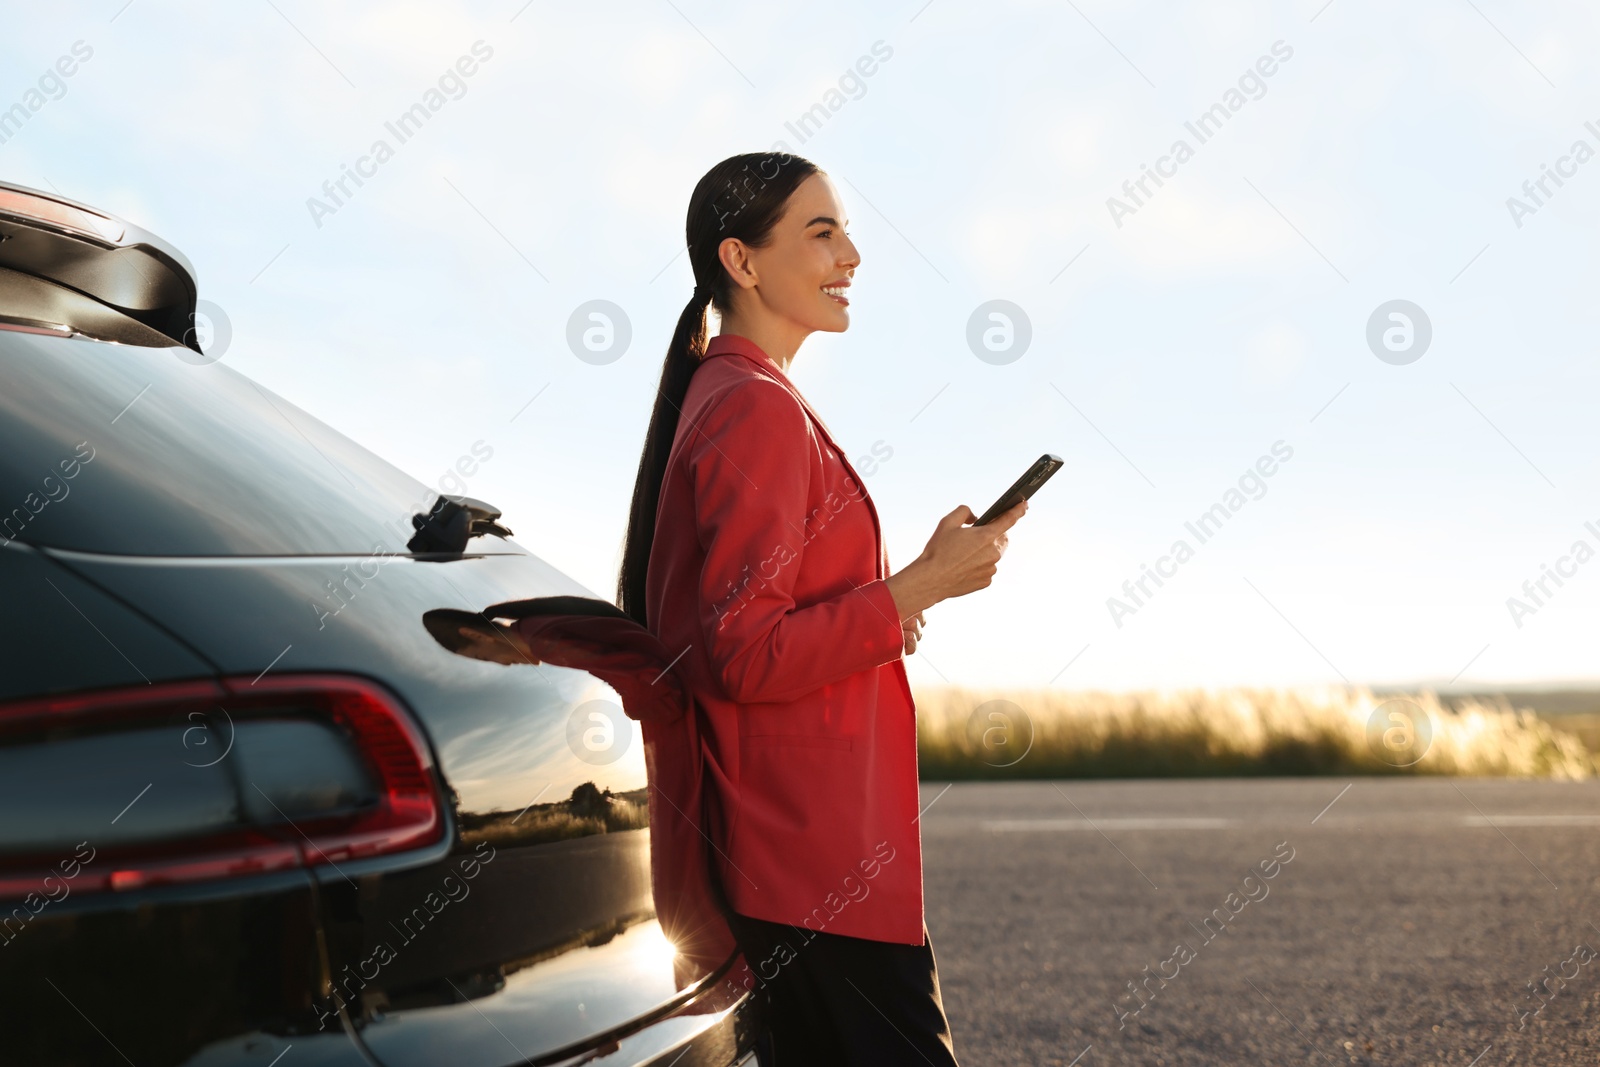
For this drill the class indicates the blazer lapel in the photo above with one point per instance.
(827, 435)
(771, 370)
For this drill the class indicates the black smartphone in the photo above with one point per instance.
(1025, 486)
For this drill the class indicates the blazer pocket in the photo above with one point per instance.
(841, 744)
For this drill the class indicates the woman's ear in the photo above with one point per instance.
(736, 259)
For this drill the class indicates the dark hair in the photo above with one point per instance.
(743, 196)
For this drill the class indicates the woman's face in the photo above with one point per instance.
(807, 253)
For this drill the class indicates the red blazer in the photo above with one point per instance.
(634, 663)
(767, 569)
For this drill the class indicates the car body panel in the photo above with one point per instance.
(73, 635)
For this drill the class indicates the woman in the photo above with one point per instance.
(753, 547)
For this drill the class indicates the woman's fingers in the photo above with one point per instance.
(911, 631)
(513, 644)
(505, 645)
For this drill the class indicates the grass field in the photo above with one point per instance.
(1044, 733)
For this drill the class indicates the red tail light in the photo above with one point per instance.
(192, 838)
(408, 814)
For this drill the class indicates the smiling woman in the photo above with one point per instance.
(741, 552)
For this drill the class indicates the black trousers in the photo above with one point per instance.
(838, 1001)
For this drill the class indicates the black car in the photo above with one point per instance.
(254, 808)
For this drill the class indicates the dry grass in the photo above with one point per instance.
(1586, 727)
(555, 825)
(966, 734)
(558, 821)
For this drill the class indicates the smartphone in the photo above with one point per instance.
(1025, 486)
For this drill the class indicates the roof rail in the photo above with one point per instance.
(67, 268)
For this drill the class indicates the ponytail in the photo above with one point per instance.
(718, 209)
(688, 347)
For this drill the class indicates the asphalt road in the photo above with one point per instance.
(1405, 929)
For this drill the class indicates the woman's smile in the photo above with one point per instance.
(835, 291)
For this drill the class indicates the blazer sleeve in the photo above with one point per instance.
(750, 462)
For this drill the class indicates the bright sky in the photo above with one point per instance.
(1172, 345)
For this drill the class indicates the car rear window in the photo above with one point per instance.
(138, 451)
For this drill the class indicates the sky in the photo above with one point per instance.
(1182, 339)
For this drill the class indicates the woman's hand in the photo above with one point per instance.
(911, 630)
(495, 643)
(959, 559)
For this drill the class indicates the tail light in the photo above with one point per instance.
(192, 781)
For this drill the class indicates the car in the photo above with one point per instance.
(256, 806)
